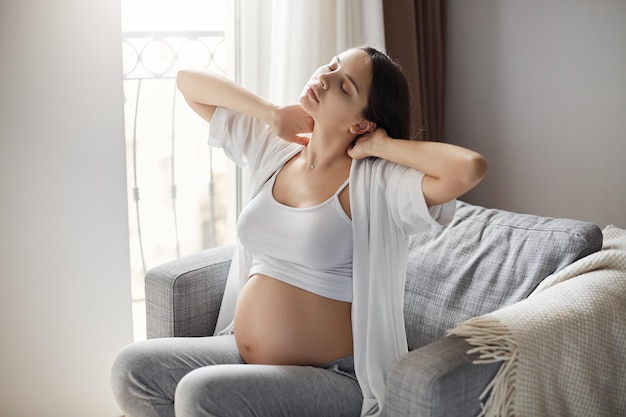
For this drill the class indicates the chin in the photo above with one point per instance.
(306, 104)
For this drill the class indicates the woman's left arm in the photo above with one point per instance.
(450, 170)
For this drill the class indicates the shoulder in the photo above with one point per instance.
(399, 188)
(383, 172)
(245, 139)
(231, 121)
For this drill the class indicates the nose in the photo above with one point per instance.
(323, 79)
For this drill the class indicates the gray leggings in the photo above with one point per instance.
(206, 377)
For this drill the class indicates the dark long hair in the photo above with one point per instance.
(389, 101)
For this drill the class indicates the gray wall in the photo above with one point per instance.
(539, 87)
(64, 259)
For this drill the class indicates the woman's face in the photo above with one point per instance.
(337, 93)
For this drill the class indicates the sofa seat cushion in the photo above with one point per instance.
(483, 260)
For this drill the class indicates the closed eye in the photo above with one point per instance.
(330, 68)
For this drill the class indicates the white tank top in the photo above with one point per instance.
(310, 248)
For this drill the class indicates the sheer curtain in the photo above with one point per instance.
(284, 41)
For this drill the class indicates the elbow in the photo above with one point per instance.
(181, 80)
(188, 83)
(479, 167)
(475, 168)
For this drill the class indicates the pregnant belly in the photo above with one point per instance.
(277, 323)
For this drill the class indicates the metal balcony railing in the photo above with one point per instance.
(149, 56)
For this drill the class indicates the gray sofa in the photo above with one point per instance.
(483, 260)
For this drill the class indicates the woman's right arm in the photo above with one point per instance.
(205, 91)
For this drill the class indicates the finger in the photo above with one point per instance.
(305, 126)
(300, 140)
(352, 153)
(310, 123)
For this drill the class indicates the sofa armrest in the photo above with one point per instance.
(438, 379)
(183, 296)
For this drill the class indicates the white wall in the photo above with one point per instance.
(64, 267)
(539, 87)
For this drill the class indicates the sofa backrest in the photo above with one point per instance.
(483, 260)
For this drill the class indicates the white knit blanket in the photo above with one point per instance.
(564, 347)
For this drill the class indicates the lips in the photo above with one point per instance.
(311, 93)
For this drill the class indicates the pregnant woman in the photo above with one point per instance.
(312, 315)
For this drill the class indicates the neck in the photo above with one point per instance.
(326, 149)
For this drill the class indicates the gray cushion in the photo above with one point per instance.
(183, 296)
(483, 260)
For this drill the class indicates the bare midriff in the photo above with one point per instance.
(279, 324)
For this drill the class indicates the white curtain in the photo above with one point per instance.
(284, 41)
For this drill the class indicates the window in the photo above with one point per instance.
(182, 193)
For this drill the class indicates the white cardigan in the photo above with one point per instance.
(387, 206)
